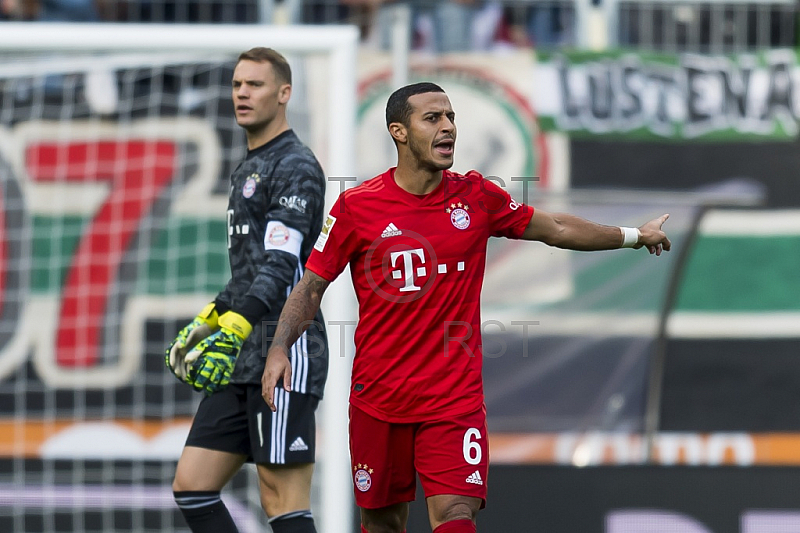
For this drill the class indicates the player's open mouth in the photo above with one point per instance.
(445, 147)
(243, 109)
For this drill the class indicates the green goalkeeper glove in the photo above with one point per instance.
(210, 364)
(198, 329)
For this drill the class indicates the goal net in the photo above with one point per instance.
(116, 143)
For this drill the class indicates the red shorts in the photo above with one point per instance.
(451, 457)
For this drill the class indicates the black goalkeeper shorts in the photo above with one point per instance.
(238, 420)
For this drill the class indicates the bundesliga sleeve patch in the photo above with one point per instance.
(281, 237)
(325, 233)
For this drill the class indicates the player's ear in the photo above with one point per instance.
(284, 93)
(398, 132)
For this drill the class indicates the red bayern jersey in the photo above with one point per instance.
(417, 263)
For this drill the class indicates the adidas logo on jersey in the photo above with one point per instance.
(475, 478)
(391, 231)
(298, 445)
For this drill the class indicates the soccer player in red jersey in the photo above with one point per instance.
(415, 238)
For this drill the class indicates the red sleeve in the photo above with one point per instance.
(335, 245)
(507, 217)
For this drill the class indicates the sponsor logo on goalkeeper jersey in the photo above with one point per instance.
(459, 215)
(249, 188)
(325, 233)
(294, 202)
(363, 477)
(391, 231)
(475, 478)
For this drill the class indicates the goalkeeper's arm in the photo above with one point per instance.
(210, 364)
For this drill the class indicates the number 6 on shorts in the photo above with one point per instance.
(472, 450)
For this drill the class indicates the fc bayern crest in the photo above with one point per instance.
(279, 235)
(460, 218)
(363, 480)
(249, 188)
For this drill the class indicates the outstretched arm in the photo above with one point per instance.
(297, 314)
(574, 233)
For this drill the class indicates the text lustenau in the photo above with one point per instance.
(678, 97)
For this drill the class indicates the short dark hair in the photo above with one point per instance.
(398, 109)
(260, 54)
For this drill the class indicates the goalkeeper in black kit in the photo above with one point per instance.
(275, 212)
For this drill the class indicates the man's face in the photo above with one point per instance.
(432, 130)
(257, 95)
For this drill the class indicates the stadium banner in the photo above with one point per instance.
(634, 95)
(131, 440)
(636, 500)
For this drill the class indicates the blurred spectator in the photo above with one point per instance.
(18, 9)
(201, 11)
(49, 10)
(486, 26)
(361, 13)
(438, 26)
(457, 25)
(67, 11)
(444, 26)
(549, 25)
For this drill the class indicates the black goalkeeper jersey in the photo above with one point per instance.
(275, 211)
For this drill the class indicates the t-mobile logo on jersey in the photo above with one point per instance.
(404, 272)
(408, 271)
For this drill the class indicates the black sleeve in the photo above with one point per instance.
(296, 199)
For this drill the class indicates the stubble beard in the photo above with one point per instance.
(426, 158)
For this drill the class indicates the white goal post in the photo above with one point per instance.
(337, 43)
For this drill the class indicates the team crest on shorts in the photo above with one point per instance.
(249, 188)
(362, 478)
(459, 215)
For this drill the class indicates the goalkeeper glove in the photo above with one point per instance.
(211, 362)
(198, 329)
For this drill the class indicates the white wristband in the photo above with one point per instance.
(630, 237)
